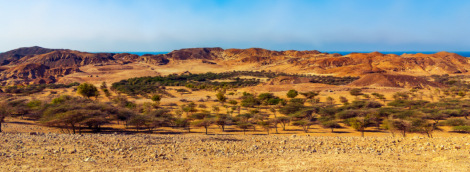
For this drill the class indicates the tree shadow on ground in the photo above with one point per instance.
(22, 123)
(340, 132)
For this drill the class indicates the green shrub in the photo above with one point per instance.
(461, 128)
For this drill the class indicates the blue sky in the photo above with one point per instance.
(165, 25)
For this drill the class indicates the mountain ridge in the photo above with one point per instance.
(60, 62)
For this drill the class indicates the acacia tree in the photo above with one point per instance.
(4, 112)
(311, 95)
(87, 90)
(330, 101)
(292, 94)
(221, 97)
(304, 123)
(343, 100)
(156, 98)
(327, 122)
(206, 122)
(138, 121)
(401, 125)
(359, 123)
(222, 120)
(355, 92)
(283, 120)
(274, 122)
(423, 126)
(266, 125)
(103, 85)
(183, 122)
(243, 121)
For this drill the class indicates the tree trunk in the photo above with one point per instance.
(73, 128)
(206, 130)
(0, 126)
(362, 133)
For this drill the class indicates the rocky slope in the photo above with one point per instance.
(355, 64)
(63, 62)
(388, 80)
(36, 64)
(153, 59)
(16, 54)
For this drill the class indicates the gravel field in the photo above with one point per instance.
(121, 152)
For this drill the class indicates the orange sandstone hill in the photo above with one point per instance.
(355, 64)
(41, 64)
(60, 62)
(387, 80)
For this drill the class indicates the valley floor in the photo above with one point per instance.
(119, 152)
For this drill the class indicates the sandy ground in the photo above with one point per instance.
(118, 152)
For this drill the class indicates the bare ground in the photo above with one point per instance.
(118, 152)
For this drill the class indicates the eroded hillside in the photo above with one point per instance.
(35, 63)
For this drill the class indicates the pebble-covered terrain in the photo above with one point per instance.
(120, 152)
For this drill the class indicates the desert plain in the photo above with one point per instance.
(28, 142)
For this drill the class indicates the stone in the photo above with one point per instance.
(73, 151)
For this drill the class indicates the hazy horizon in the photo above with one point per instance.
(163, 26)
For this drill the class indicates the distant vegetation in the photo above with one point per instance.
(145, 85)
(31, 89)
(451, 81)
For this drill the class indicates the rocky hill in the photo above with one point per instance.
(153, 59)
(16, 54)
(355, 64)
(63, 62)
(387, 80)
(28, 65)
(68, 58)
